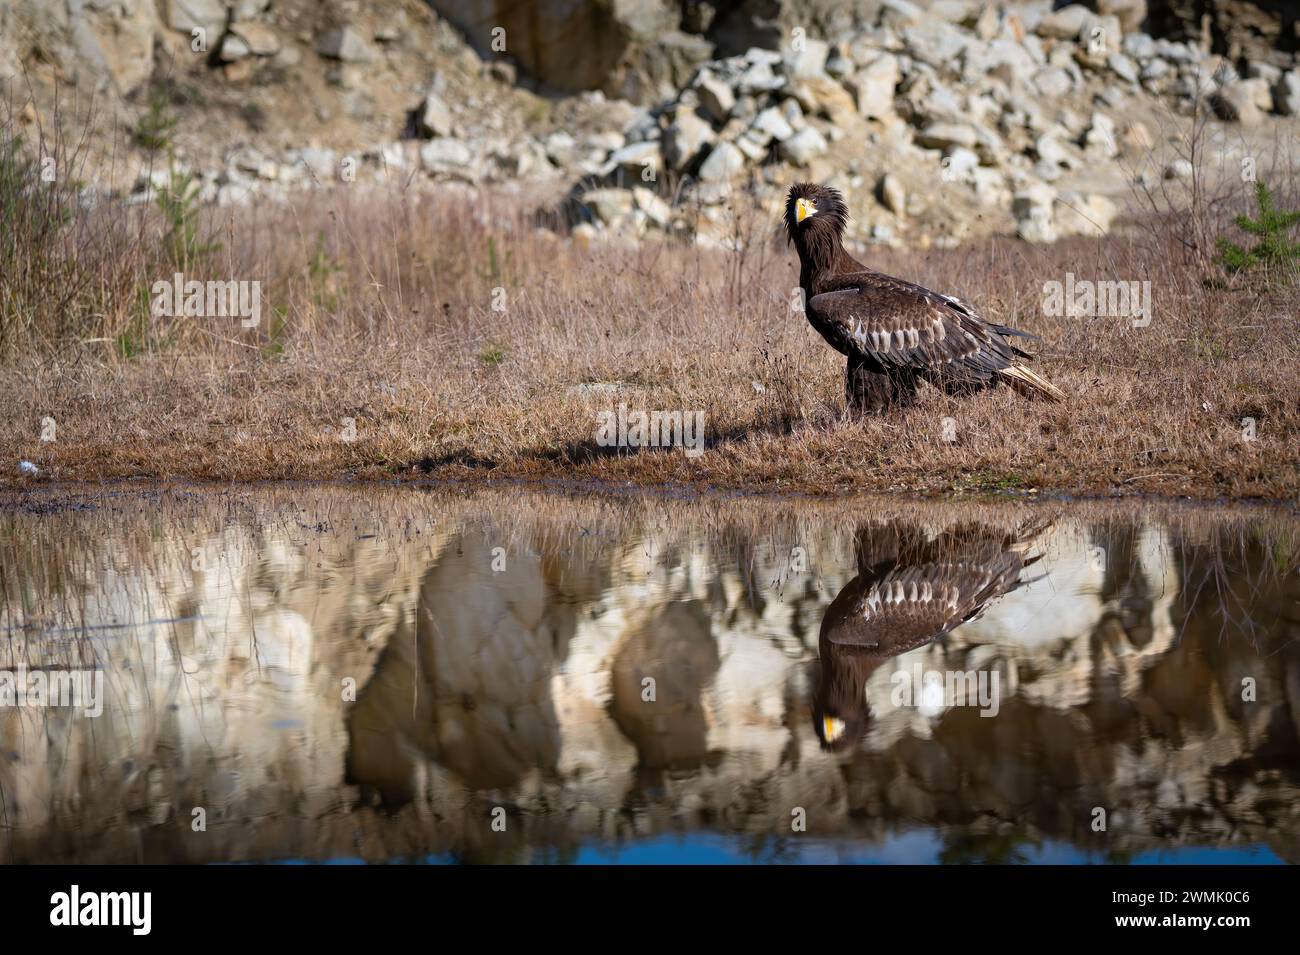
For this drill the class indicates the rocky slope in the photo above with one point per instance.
(941, 119)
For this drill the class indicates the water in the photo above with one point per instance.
(318, 674)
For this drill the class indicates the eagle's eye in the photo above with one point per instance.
(803, 208)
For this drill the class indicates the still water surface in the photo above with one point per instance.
(316, 674)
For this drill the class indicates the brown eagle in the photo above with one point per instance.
(910, 590)
(894, 332)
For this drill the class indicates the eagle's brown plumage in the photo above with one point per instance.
(894, 333)
(910, 590)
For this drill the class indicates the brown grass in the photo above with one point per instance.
(378, 307)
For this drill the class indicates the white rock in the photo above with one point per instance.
(1286, 94)
(609, 206)
(772, 124)
(445, 155)
(1238, 101)
(947, 135)
(1077, 214)
(716, 97)
(435, 116)
(809, 59)
(873, 87)
(345, 43)
(1122, 67)
(723, 162)
(892, 195)
(684, 139)
(1032, 208)
(188, 15)
(804, 146)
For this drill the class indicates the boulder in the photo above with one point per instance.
(723, 162)
(873, 86)
(804, 146)
(347, 44)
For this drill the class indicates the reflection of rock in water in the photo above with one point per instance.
(664, 718)
(470, 687)
(910, 590)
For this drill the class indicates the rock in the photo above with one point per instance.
(259, 38)
(759, 78)
(1089, 215)
(1138, 138)
(1286, 94)
(1262, 91)
(233, 49)
(723, 162)
(804, 146)
(936, 44)
(652, 207)
(1267, 72)
(445, 156)
(347, 44)
(1238, 101)
(189, 15)
(822, 95)
(809, 59)
(1032, 208)
(620, 47)
(900, 13)
(585, 235)
(435, 116)
(1155, 71)
(636, 159)
(947, 136)
(873, 87)
(1065, 23)
(1180, 169)
(771, 124)
(959, 165)
(716, 97)
(685, 138)
(1050, 150)
(1130, 13)
(1122, 67)
(1099, 140)
(609, 206)
(561, 148)
(1140, 46)
(1005, 60)
(892, 195)
(1053, 83)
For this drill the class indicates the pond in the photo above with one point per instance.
(304, 673)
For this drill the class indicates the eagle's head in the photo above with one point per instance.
(814, 212)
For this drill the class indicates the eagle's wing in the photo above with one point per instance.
(911, 605)
(901, 325)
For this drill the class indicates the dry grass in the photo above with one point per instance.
(378, 307)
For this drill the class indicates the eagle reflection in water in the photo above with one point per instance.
(910, 590)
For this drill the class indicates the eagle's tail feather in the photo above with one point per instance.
(1030, 383)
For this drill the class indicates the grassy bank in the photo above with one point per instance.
(445, 334)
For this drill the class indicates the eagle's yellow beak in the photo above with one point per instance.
(803, 208)
(832, 729)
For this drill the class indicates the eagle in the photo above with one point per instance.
(894, 333)
(910, 590)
